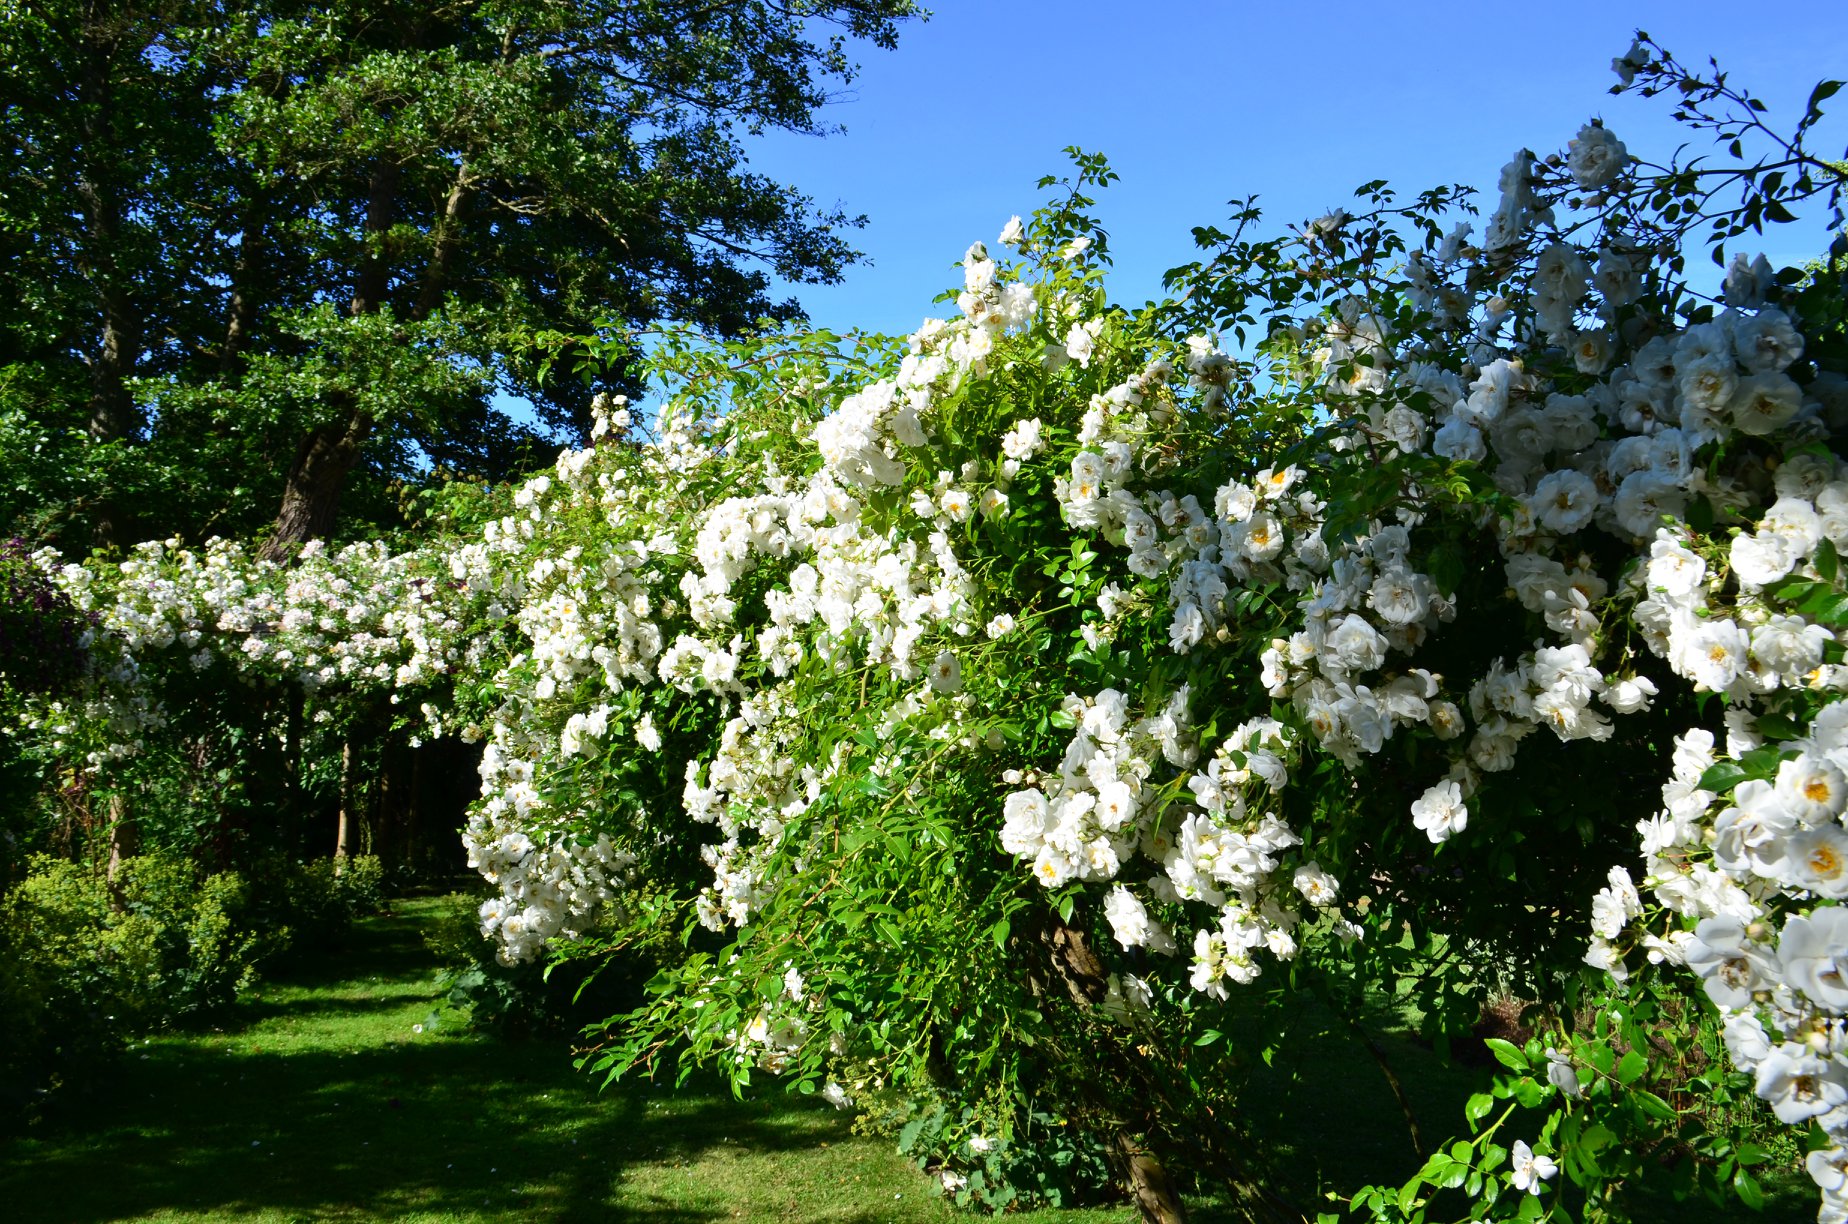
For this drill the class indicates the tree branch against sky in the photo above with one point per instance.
(1197, 102)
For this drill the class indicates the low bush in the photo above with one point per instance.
(318, 901)
(85, 964)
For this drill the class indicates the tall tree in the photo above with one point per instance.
(107, 159)
(366, 210)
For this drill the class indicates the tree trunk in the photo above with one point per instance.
(1149, 1187)
(294, 820)
(1083, 974)
(448, 232)
(112, 408)
(343, 830)
(375, 263)
(414, 811)
(382, 797)
(311, 498)
(124, 844)
(1087, 982)
(311, 494)
(245, 277)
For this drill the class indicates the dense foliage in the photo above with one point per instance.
(999, 716)
(86, 962)
(288, 242)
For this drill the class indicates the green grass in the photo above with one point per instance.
(317, 1100)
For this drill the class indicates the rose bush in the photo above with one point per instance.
(1396, 612)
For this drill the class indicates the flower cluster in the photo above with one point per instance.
(1525, 407)
(360, 620)
(1749, 850)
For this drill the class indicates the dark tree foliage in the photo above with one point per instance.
(281, 254)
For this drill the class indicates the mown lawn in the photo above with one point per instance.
(319, 1099)
(322, 1098)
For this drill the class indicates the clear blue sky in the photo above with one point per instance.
(1195, 103)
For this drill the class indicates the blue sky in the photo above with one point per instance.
(1196, 103)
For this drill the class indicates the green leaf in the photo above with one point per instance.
(1751, 1154)
(1825, 560)
(1795, 589)
(1778, 727)
(1455, 1174)
(1655, 1106)
(1762, 762)
(1208, 1038)
(1747, 1188)
(1832, 611)
(1631, 1067)
(1446, 568)
(1507, 1053)
(1722, 776)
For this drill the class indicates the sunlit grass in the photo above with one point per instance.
(319, 1100)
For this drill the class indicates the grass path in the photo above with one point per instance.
(317, 1101)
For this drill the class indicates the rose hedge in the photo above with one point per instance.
(1395, 613)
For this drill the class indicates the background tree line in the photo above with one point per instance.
(274, 263)
(272, 258)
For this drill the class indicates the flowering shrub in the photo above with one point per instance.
(41, 630)
(43, 652)
(224, 684)
(998, 708)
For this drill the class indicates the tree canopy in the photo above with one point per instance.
(260, 246)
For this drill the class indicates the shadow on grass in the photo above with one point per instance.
(318, 1102)
(262, 1009)
(435, 1127)
(360, 1118)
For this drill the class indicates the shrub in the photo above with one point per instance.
(360, 884)
(527, 997)
(986, 718)
(44, 636)
(85, 965)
